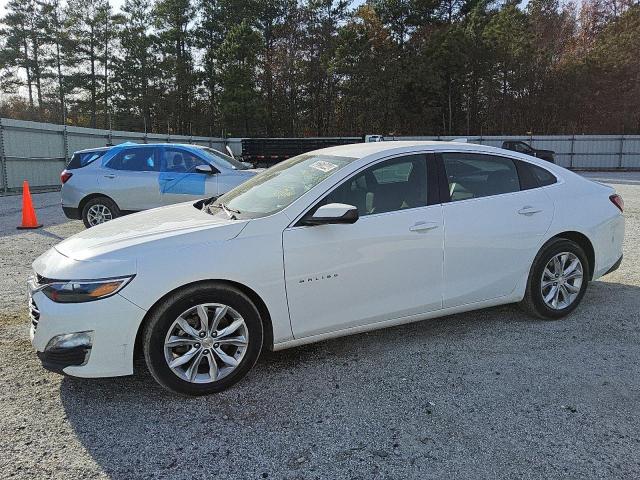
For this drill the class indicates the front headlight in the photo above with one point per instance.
(77, 291)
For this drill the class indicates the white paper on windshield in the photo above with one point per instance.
(323, 166)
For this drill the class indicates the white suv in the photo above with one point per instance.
(101, 184)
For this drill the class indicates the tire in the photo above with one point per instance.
(200, 380)
(534, 299)
(99, 210)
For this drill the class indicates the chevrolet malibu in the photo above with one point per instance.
(329, 243)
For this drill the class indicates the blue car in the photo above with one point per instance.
(101, 184)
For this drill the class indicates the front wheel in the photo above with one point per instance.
(557, 281)
(202, 339)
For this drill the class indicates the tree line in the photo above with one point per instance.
(324, 67)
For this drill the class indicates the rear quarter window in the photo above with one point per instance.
(533, 176)
(82, 159)
(544, 177)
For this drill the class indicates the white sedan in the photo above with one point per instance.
(329, 243)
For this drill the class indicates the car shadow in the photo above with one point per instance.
(270, 422)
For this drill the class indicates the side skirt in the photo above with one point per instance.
(397, 321)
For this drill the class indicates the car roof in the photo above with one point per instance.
(361, 150)
(96, 149)
(170, 144)
(132, 144)
(378, 149)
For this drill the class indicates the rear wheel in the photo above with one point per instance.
(202, 339)
(99, 210)
(557, 281)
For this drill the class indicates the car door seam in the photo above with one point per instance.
(284, 280)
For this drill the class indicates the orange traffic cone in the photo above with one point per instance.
(29, 219)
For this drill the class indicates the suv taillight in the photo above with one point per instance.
(617, 201)
(65, 175)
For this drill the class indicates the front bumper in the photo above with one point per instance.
(114, 322)
(59, 359)
(615, 266)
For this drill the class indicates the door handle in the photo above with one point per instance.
(169, 179)
(528, 210)
(109, 175)
(423, 226)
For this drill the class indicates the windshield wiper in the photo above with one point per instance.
(229, 211)
(226, 210)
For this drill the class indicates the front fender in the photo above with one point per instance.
(253, 261)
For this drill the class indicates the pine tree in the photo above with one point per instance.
(175, 39)
(239, 97)
(21, 50)
(89, 23)
(135, 68)
(208, 36)
(55, 38)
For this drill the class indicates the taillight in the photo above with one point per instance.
(65, 175)
(617, 201)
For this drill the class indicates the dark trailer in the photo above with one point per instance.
(264, 152)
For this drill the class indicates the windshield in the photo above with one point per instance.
(225, 160)
(276, 188)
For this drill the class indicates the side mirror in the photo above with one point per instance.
(208, 169)
(333, 213)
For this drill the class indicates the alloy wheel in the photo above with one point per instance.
(206, 343)
(98, 214)
(561, 280)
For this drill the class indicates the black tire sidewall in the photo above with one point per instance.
(535, 280)
(169, 310)
(107, 202)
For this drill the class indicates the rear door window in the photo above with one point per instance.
(139, 159)
(474, 175)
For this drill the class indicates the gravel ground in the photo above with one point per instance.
(487, 394)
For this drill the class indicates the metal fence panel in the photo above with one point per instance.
(32, 140)
(39, 172)
(631, 152)
(31, 151)
(117, 137)
(79, 138)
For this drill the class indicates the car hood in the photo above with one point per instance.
(134, 230)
